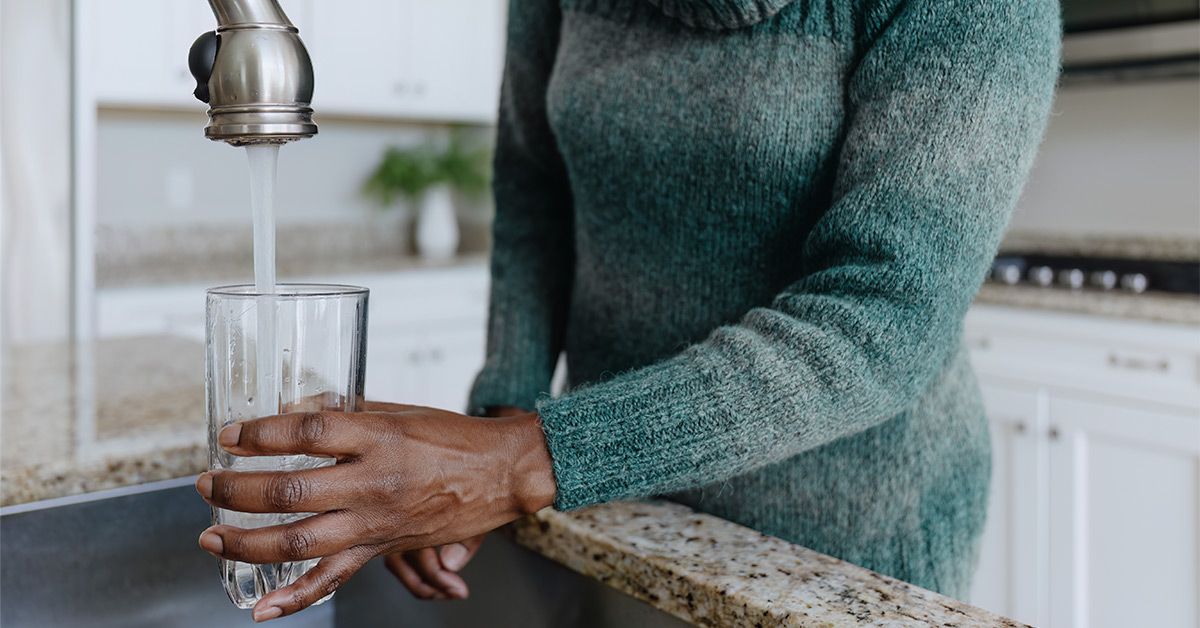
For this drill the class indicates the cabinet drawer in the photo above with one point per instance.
(1158, 364)
(1122, 358)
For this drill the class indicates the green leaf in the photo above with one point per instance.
(409, 172)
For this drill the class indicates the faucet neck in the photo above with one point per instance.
(239, 14)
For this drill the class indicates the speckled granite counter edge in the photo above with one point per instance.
(712, 572)
(72, 477)
(1177, 309)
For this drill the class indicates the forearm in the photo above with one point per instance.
(532, 246)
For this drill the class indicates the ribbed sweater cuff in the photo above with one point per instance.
(720, 14)
(633, 436)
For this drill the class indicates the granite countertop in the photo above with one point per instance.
(1161, 308)
(711, 572)
(146, 421)
(148, 425)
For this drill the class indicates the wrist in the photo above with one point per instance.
(503, 411)
(532, 472)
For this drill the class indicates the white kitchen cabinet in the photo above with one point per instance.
(1014, 538)
(139, 48)
(400, 59)
(132, 50)
(426, 327)
(1094, 516)
(455, 58)
(429, 368)
(356, 48)
(409, 58)
(1124, 515)
(427, 335)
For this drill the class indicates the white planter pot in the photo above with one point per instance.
(437, 225)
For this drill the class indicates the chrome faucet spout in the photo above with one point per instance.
(255, 74)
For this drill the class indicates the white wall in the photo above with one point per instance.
(1119, 159)
(157, 169)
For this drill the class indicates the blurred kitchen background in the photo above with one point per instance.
(117, 214)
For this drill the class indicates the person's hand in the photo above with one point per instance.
(406, 479)
(431, 573)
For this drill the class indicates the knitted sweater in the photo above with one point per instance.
(754, 227)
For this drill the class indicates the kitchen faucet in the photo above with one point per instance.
(255, 74)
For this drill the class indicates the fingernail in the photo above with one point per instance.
(454, 556)
(458, 592)
(230, 435)
(212, 542)
(267, 614)
(204, 485)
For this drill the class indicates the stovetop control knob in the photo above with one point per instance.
(1103, 279)
(1007, 274)
(1041, 275)
(1071, 278)
(1136, 283)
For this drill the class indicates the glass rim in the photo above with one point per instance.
(286, 290)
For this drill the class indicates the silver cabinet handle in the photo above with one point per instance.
(1131, 363)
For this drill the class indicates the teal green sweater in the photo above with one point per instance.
(754, 227)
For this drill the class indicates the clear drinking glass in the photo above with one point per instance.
(311, 341)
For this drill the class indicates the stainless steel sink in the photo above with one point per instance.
(128, 558)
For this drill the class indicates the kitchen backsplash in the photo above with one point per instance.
(158, 254)
(1119, 160)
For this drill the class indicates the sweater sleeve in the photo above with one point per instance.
(532, 254)
(945, 109)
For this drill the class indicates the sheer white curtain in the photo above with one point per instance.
(35, 170)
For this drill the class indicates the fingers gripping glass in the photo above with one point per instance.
(300, 349)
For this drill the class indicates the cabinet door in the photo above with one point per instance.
(1124, 514)
(455, 54)
(427, 366)
(409, 58)
(355, 47)
(130, 39)
(140, 48)
(448, 365)
(1010, 579)
(393, 372)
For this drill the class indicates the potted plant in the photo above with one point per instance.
(426, 178)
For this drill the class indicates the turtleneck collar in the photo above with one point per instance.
(720, 14)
